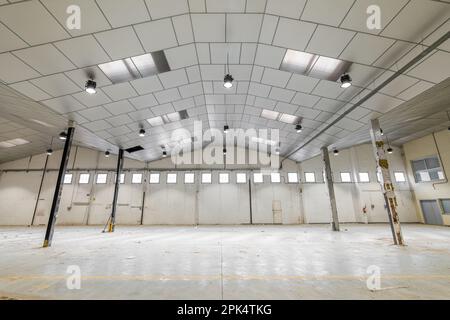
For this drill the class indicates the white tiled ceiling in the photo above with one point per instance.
(202, 39)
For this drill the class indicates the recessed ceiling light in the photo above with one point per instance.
(63, 136)
(142, 133)
(90, 86)
(228, 81)
(6, 144)
(13, 143)
(346, 81)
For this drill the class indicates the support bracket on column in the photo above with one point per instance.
(59, 187)
(330, 187)
(386, 182)
(112, 220)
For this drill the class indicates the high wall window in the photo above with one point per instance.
(206, 177)
(68, 178)
(122, 178)
(258, 177)
(292, 177)
(310, 177)
(224, 177)
(84, 178)
(427, 169)
(346, 177)
(136, 178)
(154, 178)
(241, 177)
(171, 178)
(364, 177)
(101, 178)
(399, 177)
(189, 178)
(275, 177)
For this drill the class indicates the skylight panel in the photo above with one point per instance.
(287, 118)
(120, 70)
(313, 65)
(269, 114)
(156, 121)
(13, 143)
(141, 66)
(145, 65)
(327, 68)
(297, 61)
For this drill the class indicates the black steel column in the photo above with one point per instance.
(58, 188)
(119, 168)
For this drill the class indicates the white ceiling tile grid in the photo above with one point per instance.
(202, 40)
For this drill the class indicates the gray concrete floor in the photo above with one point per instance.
(225, 262)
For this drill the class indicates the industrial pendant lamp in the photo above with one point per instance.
(336, 152)
(298, 128)
(90, 86)
(389, 149)
(107, 154)
(50, 150)
(142, 133)
(63, 136)
(346, 81)
(228, 79)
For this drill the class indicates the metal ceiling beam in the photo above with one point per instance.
(398, 73)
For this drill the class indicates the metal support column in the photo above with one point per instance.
(58, 188)
(386, 182)
(330, 187)
(119, 168)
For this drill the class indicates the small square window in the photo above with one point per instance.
(84, 178)
(122, 178)
(275, 177)
(346, 177)
(101, 178)
(171, 178)
(399, 177)
(206, 177)
(364, 177)
(189, 178)
(292, 177)
(258, 177)
(378, 176)
(67, 178)
(310, 177)
(241, 177)
(224, 178)
(154, 178)
(136, 178)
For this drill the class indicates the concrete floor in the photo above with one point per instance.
(226, 262)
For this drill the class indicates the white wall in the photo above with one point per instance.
(164, 203)
(198, 203)
(424, 147)
(351, 198)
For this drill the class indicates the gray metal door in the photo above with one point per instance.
(431, 212)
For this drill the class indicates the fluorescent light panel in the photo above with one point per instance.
(283, 117)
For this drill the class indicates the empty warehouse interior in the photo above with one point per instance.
(224, 150)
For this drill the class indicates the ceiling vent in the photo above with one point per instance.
(134, 149)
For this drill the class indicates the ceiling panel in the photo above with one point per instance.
(46, 59)
(121, 13)
(245, 38)
(32, 22)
